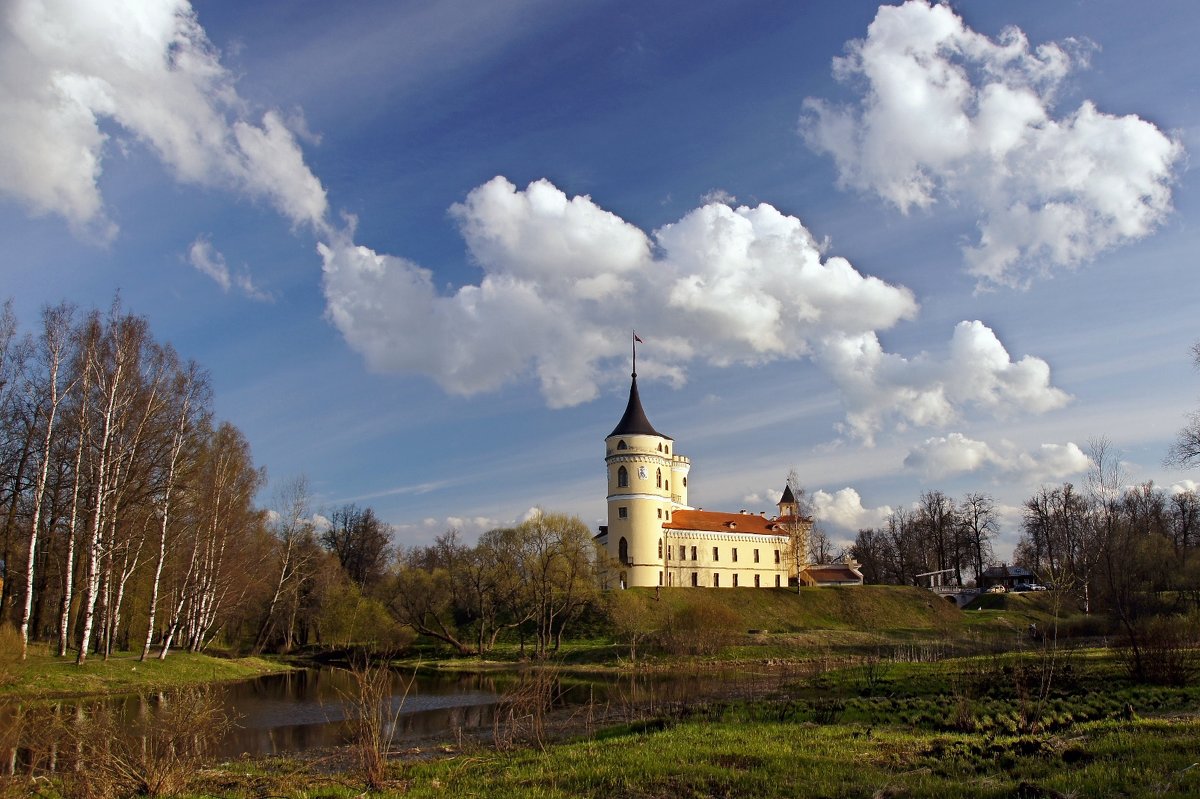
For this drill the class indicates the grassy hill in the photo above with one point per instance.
(868, 608)
(783, 625)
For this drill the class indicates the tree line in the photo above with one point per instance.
(128, 511)
(939, 533)
(529, 582)
(128, 516)
(1123, 549)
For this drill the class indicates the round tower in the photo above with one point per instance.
(642, 474)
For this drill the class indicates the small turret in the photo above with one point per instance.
(788, 506)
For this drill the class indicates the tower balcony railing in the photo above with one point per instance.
(677, 498)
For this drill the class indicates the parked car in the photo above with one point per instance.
(1037, 587)
(1021, 588)
(996, 589)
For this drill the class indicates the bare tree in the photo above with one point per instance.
(189, 401)
(798, 525)
(1186, 449)
(977, 514)
(360, 541)
(292, 528)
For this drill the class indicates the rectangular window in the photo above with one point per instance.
(756, 556)
(756, 585)
(660, 513)
(735, 554)
(777, 581)
(716, 554)
(660, 578)
(693, 553)
(695, 579)
(716, 581)
(777, 556)
(735, 581)
(622, 513)
(682, 552)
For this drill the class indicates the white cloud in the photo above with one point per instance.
(73, 70)
(977, 371)
(844, 509)
(763, 499)
(1184, 486)
(564, 281)
(949, 114)
(718, 196)
(945, 456)
(209, 261)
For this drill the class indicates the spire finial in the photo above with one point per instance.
(636, 341)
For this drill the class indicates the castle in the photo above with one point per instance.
(654, 538)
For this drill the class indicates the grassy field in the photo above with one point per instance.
(44, 676)
(966, 727)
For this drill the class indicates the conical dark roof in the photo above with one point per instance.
(634, 422)
(788, 497)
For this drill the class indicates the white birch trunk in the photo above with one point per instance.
(54, 351)
(165, 510)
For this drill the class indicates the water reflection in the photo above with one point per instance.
(305, 709)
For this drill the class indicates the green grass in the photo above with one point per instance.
(868, 608)
(783, 625)
(954, 728)
(787, 759)
(46, 676)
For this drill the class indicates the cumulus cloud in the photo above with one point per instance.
(1185, 486)
(977, 371)
(74, 72)
(209, 261)
(844, 509)
(564, 281)
(945, 456)
(946, 113)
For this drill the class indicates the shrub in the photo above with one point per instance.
(1169, 653)
(155, 755)
(10, 653)
(369, 706)
(702, 627)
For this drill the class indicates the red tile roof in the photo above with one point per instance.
(715, 522)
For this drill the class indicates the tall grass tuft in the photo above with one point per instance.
(373, 714)
(155, 756)
(523, 710)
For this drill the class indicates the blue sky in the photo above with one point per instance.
(895, 248)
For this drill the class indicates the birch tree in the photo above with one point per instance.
(292, 528)
(53, 353)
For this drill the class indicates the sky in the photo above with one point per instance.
(896, 248)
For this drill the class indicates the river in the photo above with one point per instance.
(306, 711)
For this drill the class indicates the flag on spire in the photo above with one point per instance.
(635, 338)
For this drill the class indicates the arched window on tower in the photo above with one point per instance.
(621, 444)
(623, 551)
(622, 477)
(660, 478)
